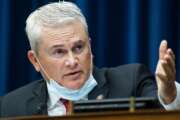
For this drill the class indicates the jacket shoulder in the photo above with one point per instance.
(130, 80)
(128, 67)
(24, 91)
(16, 103)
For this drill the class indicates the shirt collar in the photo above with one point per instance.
(53, 96)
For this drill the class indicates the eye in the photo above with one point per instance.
(78, 48)
(58, 53)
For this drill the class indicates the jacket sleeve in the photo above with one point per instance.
(131, 80)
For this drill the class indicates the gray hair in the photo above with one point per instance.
(51, 15)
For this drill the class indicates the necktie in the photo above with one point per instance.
(67, 105)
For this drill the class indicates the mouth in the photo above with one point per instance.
(73, 75)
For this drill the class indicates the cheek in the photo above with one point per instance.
(55, 68)
(86, 61)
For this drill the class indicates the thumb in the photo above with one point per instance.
(163, 49)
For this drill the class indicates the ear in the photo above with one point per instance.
(89, 44)
(32, 58)
(90, 41)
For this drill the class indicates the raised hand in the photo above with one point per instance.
(166, 73)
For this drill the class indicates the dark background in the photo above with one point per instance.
(122, 31)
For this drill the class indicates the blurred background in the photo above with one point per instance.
(122, 32)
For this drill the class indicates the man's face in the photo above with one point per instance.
(65, 55)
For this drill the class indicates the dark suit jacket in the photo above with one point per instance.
(119, 82)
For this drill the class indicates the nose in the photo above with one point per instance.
(71, 61)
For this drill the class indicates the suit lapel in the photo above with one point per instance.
(101, 90)
(37, 104)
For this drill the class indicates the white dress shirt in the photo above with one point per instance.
(54, 105)
(175, 105)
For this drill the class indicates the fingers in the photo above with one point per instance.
(161, 72)
(170, 52)
(169, 58)
(162, 49)
(169, 70)
(166, 65)
(166, 73)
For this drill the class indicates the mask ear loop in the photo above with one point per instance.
(42, 68)
(44, 71)
(91, 63)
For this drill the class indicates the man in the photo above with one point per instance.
(61, 52)
(168, 89)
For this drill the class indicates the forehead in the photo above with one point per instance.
(68, 33)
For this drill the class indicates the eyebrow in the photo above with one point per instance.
(61, 45)
(78, 42)
(55, 46)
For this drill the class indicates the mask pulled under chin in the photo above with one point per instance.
(71, 94)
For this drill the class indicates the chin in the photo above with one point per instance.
(75, 85)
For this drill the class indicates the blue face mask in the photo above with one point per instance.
(71, 94)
